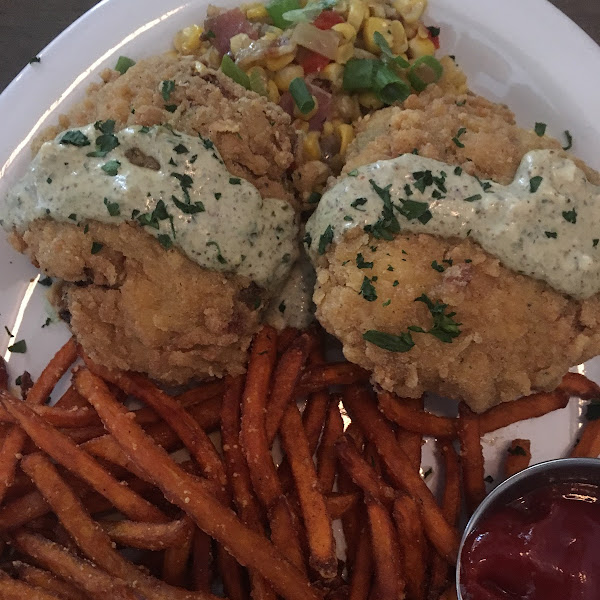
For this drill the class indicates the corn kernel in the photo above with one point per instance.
(334, 73)
(272, 92)
(357, 12)
(422, 31)
(347, 31)
(327, 128)
(256, 11)
(369, 100)
(239, 42)
(312, 150)
(276, 63)
(285, 76)
(373, 25)
(346, 135)
(399, 42)
(344, 53)
(300, 125)
(418, 47)
(188, 40)
(411, 10)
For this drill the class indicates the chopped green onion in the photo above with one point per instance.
(124, 63)
(256, 82)
(386, 51)
(389, 87)
(234, 72)
(309, 13)
(433, 69)
(277, 8)
(302, 97)
(358, 74)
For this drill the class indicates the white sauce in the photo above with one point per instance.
(221, 221)
(546, 228)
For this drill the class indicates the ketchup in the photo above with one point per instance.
(543, 546)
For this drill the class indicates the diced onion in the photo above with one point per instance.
(322, 42)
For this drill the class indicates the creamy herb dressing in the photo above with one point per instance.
(545, 224)
(176, 186)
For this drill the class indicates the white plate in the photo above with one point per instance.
(526, 54)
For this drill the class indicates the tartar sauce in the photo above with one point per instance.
(545, 224)
(174, 185)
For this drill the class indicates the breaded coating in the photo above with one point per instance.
(136, 306)
(254, 136)
(517, 336)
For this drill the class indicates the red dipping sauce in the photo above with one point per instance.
(542, 546)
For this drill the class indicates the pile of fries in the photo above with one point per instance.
(94, 505)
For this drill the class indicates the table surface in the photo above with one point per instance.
(27, 26)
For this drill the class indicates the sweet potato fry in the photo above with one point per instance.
(471, 455)
(326, 454)
(232, 574)
(47, 581)
(65, 452)
(389, 584)
(361, 573)
(413, 546)
(589, 441)
(352, 520)
(11, 589)
(524, 408)
(176, 558)
(400, 411)
(363, 410)
(285, 378)
(518, 457)
(314, 509)
(246, 546)
(202, 561)
(285, 338)
(71, 568)
(146, 536)
(339, 504)
(320, 377)
(411, 441)
(71, 399)
(576, 384)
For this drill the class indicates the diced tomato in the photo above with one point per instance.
(327, 19)
(312, 62)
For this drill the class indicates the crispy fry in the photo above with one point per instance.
(363, 474)
(71, 399)
(202, 561)
(589, 441)
(339, 504)
(47, 581)
(285, 339)
(326, 455)
(400, 411)
(576, 384)
(65, 452)
(361, 575)
(146, 536)
(411, 441)
(451, 496)
(320, 377)
(518, 457)
(352, 520)
(246, 546)
(317, 521)
(471, 455)
(389, 584)
(17, 590)
(412, 545)
(285, 378)
(175, 559)
(363, 409)
(232, 574)
(524, 408)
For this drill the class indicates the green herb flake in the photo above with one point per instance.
(111, 167)
(456, 138)
(390, 268)
(412, 209)
(96, 247)
(165, 241)
(348, 218)
(307, 239)
(534, 183)
(35, 59)
(19, 347)
(445, 328)
(387, 225)
(220, 257)
(107, 141)
(389, 341)
(367, 291)
(235, 181)
(473, 198)
(112, 207)
(74, 137)
(166, 87)
(570, 216)
(595, 242)
(144, 129)
(569, 140)
(387, 302)
(171, 107)
(124, 63)
(358, 202)
(353, 173)
(325, 239)
(72, 216)
(540, 129)
(314, 198)
(188, 209)
(218, 195)
(49, 180)
(437, 267)
(47, 322)
(458, 171)
(551, 234)
(396, 282)
(361, 263)
(180, 149)
(460, 102)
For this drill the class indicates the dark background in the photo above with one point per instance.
(26, 26)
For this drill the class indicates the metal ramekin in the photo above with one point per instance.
(562, 470)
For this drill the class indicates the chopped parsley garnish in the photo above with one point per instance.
(307, 239)
(460, 102)
(217, 195)
(389, 341)
(47, 322)
(387, 302)
(74, 137)
(445, 328)
(367, 291)
(171, 107)
(325, 239)
(396, 282)
(534, 183)
(166, 87)
(186, 183)
(281, 307)
(540, 129)
(485, 185)
(123, 65)
(348, 218)
(165, 241)
(473, 198)
(456, 138)
(570, 216)
(437, 267)
(458, 171)
(193, 159)
(595, 242)
(160, 213)
(353, 173)
(144, 129)
(550, 234)
(387, 225)
(220, 257)
(86, 228)
(358, 202)
(19, 347)
(188, 209)
(361, 263)
(235, 181)
(96, 247)
(180, 149)
(49, 180)
(107, 141)
(111, 167)
(35, 59)
(434, 31)
(390, 268)
(207, 143)
(314, 198)
(46, 281)
(569, 140)
(112, 207)
(517, 451)
(412, 209)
